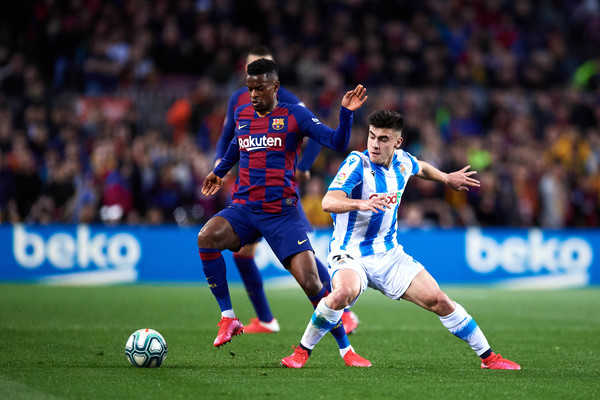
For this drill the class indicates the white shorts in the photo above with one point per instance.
(391, 273)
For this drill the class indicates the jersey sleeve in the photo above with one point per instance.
(228, 130)
(230, 158)
(232, 155)
(414, 162)
(349, 175)
(312, 127)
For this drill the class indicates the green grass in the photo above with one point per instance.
(68, 342)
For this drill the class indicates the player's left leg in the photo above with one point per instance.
(326, 318)
(425, 292)
(349, 318)
(288, 239)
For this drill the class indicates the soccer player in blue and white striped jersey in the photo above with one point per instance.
(364, 252)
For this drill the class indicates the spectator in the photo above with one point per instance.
(311, 202)
(489, 83)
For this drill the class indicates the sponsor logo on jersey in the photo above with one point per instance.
(278, 123)
(341, 177)
(391, 198)
(259, 142)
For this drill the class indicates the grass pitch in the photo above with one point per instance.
(68, 343)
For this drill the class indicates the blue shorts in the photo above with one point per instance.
(284, 231)
(303, 218)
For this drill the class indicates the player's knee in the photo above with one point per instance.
(341, 297)
(441, 304)
(205, 240)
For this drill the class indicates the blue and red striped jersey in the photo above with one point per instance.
(267, 149)
(241, 97)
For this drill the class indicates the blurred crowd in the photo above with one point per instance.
(110, 110)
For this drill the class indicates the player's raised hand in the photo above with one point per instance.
(354, 99)
(461, 180)
(211, 184)
(375, 204)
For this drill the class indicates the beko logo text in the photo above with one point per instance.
(532, 254)
(64, 251)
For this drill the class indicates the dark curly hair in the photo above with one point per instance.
(264, 66)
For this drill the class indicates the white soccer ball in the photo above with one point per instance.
(146, 348)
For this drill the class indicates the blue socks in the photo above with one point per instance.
(215, 271)
(254, 286)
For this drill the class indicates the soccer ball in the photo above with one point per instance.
(146, 348)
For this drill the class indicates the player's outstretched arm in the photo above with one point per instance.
(354, 99)
(458, 180)
(211, 184)
(337, 202)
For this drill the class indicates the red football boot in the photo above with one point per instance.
(350, 321)
(228, 328)
(257, 326)
(297, 359)
(495, 361)
(354, 360)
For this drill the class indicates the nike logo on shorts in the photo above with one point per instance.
(300, 242)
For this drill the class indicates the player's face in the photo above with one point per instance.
(263, 92)
(381, 144)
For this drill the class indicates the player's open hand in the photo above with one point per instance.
(354, 99)
(375, 204)
(461, 180)
(211, 184)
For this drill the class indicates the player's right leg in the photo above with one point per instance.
(350, 320)
(265, 322)
(327, 314)
(227, 230)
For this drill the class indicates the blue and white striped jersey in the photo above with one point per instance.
(362, 233)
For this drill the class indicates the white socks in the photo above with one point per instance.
(462, 325)
(323, 320)
(228, 313)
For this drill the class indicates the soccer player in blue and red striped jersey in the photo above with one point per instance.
(265, 322)
(268, 139)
